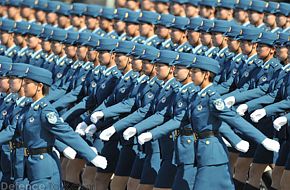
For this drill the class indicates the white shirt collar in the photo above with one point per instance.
(19, 100)
(184, 86)
(128, 73)
(200, 92)
(167, 82)
(34, 103)
(36, 53)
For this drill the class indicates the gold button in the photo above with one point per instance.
(207, 142)
(188, 141)
(171, 136)
(41, 157)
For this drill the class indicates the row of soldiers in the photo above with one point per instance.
(148, 75)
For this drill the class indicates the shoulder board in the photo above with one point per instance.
(210, 93)
(42, 104)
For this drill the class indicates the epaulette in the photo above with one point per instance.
(210, 93)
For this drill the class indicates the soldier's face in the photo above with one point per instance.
(176, 35)
(19, 39)
(181, 73)
(281, 20)
(263, 51)
(25, 12)
(62, 20)
(247, 47)
(56, 47)
(205, 11)
(270, 19)
(46, 46)
(205, 39)
(12, 12)
(33, 42)
(197, 76)
(120, 26)
(282, 53)
(223, 13)
(4, 84)
(193, 37)
(255, 17)
(82, 52)
(104, 57)
(121, 61)
(162, 31)
(51, 18)
(120, 3)
(147, 5)
(241, 15)
(75, 20)
(217, 39)
(131, 29)
(71, 51)
(161, 7)
(15, 84)
(162, 71)
(40, 15)
(191, 11)
(5, 37)
(104, 23)
(30, 88)
(92, 55)
(137, 65)
(132, 5)
(147, 67)
(91, 22)
(233, 45)
(145, 29)
(176, 9)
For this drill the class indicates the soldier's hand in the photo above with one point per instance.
(99, 161)
(95, 117)
(81, 127)
(145, 137)
(69, 153)
(130, 132)
(271, 145)
(243, 146)
(107, 133)
(230, 101)
(257, 115)
(90, 130)
(279, 122)
(242, 109)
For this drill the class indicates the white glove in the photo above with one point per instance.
(130, 132)
(243, 146)
(80, 129)
(279, 122)
(107, 133)
(145, 137)
(242, 109)
(95, 117)
(91, 129)
(230, 101)
(257, 115)
(271, 145)
(226, 142)
(56, 152)
(99, 161)
(69, 153)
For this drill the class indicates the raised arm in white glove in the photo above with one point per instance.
(279, 122)
(69, 153)
(271, 145)
(80, 129)
(99, 161)
(130, 132)
(257, 115)
(107, 133)
(95, 117)
(145, 137)
(241, 110)
(230, 101)
(90, 130)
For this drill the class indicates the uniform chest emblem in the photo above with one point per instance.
(219, 104)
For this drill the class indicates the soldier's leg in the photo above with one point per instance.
(132, 183)
(285, 180)
(241, 172)
(124, 167)
(88, 177)
(255, 174)
(276, 176)
(166, 175)
(102, 180)
(233, 158)
(74, 169)
(185, 177)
